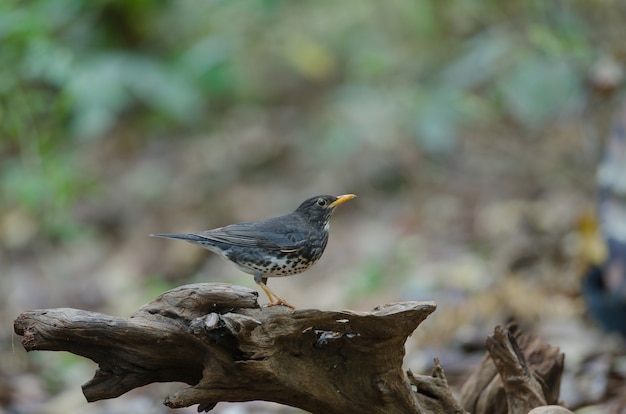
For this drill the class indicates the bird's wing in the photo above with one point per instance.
(267, 235)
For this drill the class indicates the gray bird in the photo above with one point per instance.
(276, 247)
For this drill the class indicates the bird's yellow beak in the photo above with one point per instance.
(341, 199)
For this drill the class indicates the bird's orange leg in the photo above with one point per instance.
(271, 295)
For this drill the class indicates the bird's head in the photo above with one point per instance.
(320, 208)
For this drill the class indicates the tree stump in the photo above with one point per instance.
(215, 338)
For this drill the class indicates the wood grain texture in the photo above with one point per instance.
(217, 339)
(518, 373)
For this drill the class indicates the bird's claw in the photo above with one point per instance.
(281, 302)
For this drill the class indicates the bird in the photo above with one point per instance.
(280, 246)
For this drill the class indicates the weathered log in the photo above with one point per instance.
(217, 339)
(519, 372)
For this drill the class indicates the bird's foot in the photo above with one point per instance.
(271, 296)
(283, 303)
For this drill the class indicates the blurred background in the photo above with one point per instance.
(471, 132)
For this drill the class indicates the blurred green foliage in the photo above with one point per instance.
(74, 71)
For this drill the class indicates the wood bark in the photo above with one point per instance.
(518, 373)
(215, 338)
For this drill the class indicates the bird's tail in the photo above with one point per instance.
(187, 236)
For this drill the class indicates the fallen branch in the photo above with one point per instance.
(217, 339)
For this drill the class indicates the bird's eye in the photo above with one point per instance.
(321, 202)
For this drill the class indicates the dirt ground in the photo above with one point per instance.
(490, 232)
